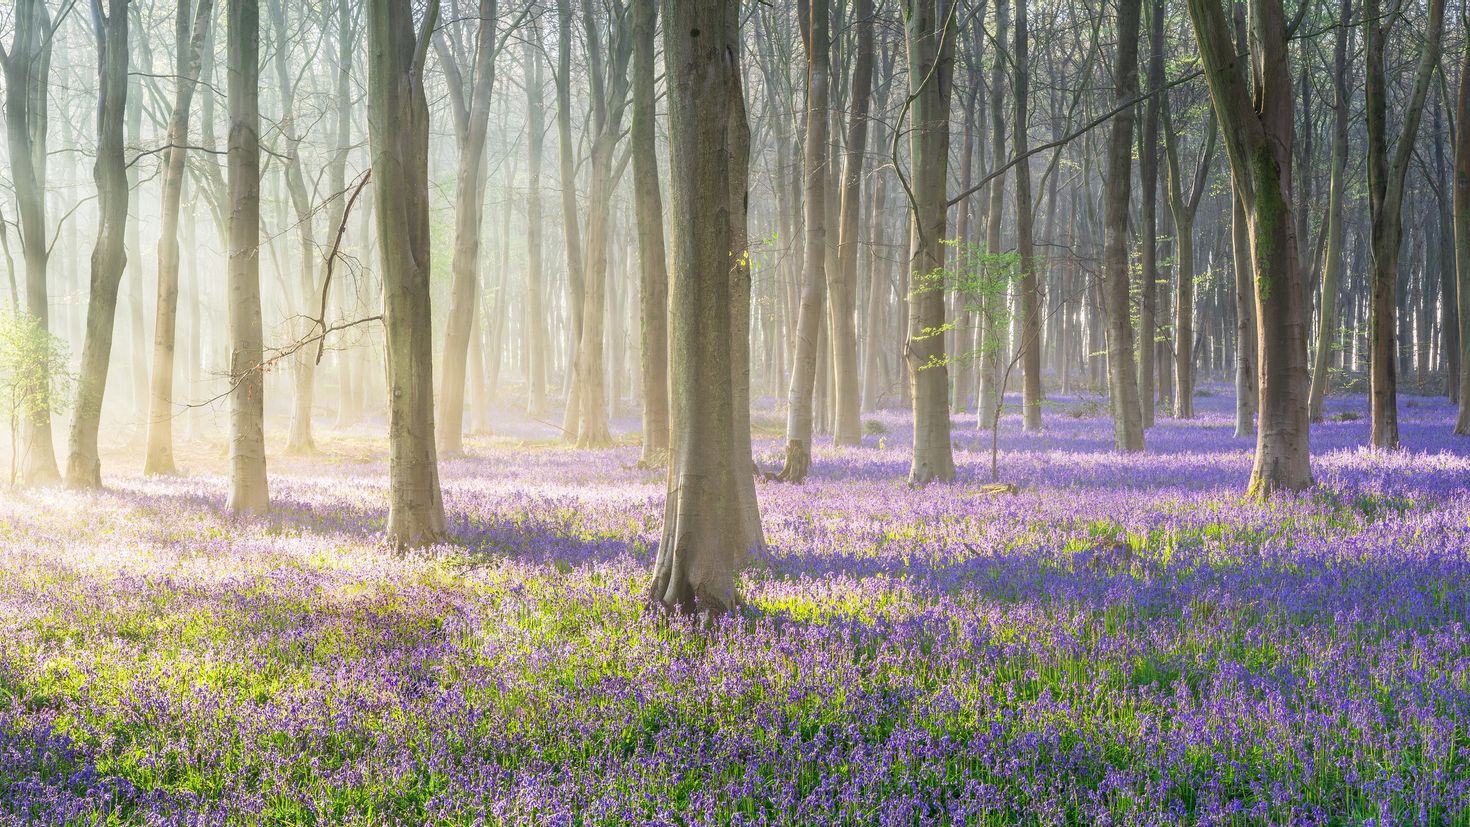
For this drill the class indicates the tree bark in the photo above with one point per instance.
(1122, 372)
(653, 274)
(570, 221)
(536, 343)
(842, 284)
(1385, 201)
(1184, 207)
(1148, 181)
(929, 28)
(800, 399)
(469, 99)
(1327, 324)
(1258, 139)
(398, 130)
(710, 520)
(1461, 216)
(109, 256)
(1025, 221)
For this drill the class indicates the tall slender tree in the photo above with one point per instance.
(1122, 373)
(653, 274)
(1332, 262)
(398, 131)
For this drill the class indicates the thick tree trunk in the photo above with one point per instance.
(398, 129)
(1259, 143)
(1327, 325)
(1247, 395)
(1025, 219)
(710, 519)
(929, 29)
(800, 400)
(248, 492)
(1122, 373)
(847, 428)
(653, 274)
(109, 256)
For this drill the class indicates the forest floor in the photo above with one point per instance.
(1125, 640)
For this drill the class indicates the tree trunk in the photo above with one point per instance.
(248, 492)
(1148, 181)
(800, 399)
(570, 221)
(653, 274)
(191, 37)
(1385, 202)
(109, 256)
(1122, 373)
(847, 427)
(536, 314)
(929, 29)
(1259, 143)
(1246, 337)
(991, 313)
(1461, 215)
(710, 521)
(1327, 324)
(469, 99)
(398, 128)
(27, 70)
(1025, 219)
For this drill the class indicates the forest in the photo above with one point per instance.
(735, 412)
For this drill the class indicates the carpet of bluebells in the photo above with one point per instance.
(1123, 640)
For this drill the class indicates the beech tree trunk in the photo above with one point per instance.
(992, 306)
(653, 274)
(248, 492)
(1122, 372)
(842, 284)
(191, 35)
(27, 68)
(1332, 265)
(570, 220)
(1257, 133)
(536, 342)
(1025, 221)
(1183, 208)
(800, 401)
(1148, 182)
(1461, 216)
(469, 99)
(109, 256)
(711, 522)
(1385, 202)
(929, 29)
(398, 130)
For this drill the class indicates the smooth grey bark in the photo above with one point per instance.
(249, 494)
(1256, 123)
(1385, 204)
(1122, 373)
(989, 393)
(1030, 297)
(570, 219)
(469, 106)
(842, 286)
(1461, 218)
(398, 130)
(653, 275)
(191, 33)
(1148, 182)
(1332, 263)
(536, 343)
(800, 399)
(929, 31)
(27, 69)
(711, 522)
(109, 256)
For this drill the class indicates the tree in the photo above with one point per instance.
(1183, 207)
(1462, 236)
(191, 34)
(799, 400)
(570, 223)
(1332, 264)
(1385, 203)
(248, 491)
(83, 466)
(469, 72)
(398, 130)
(929, 31)
(536, 404)
(653, 281)
(1256, 123)
(1148, 184)
(1025, 220)
(842, 283)
(27, 69)
(1122, 375)
(711, 522)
